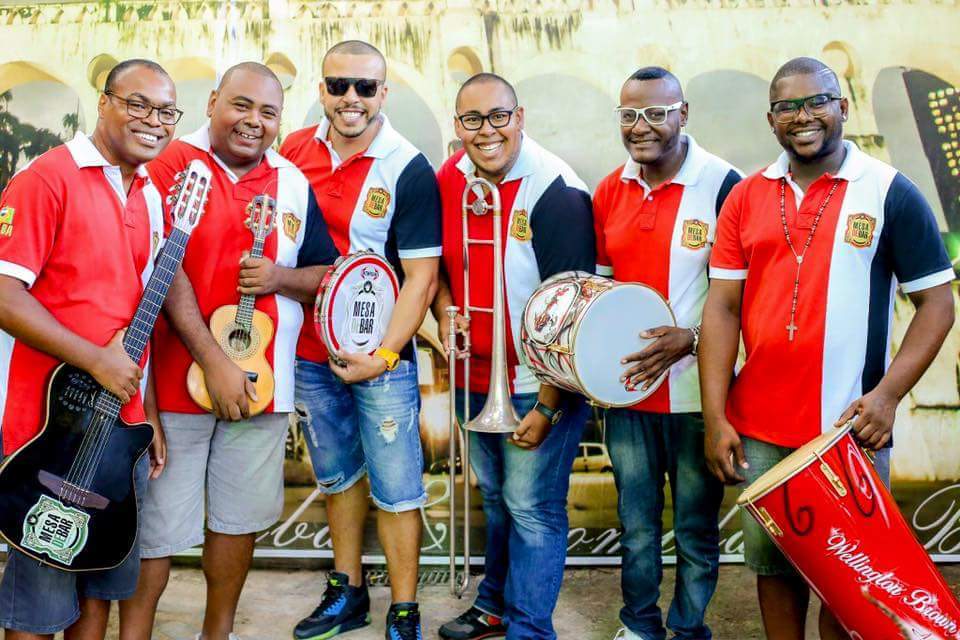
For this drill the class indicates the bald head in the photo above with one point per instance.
(249, 67)
(357, 48)
(804, 66)
(669, 81)
(487, 78)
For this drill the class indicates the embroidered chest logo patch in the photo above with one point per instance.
(377, 202)
(6, 222)
(859, 232)
(520, 227)
(694, 234)
(291, 225)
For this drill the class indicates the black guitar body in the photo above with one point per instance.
(40, 472)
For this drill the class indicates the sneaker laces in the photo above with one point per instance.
(407, 625)
(335, 594)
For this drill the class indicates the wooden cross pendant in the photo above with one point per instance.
(791, 328)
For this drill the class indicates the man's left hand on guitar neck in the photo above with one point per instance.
(262, 276)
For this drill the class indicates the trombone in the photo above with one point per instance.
(498, 414)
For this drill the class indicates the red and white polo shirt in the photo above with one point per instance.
(384, 199)
(212, 259)
(56, 214)
(547, 228)
(662, 238)
(877, 231)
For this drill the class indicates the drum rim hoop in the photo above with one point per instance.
(323, 309)
(796, 462)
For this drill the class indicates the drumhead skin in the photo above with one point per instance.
(609, 330)
(355, 303)
(791, 465)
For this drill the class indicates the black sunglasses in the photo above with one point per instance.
(365, 87)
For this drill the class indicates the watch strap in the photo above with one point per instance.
(553, 415)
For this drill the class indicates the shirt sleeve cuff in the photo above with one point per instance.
(728, 274)
(426, 252)
(604, 270)
(19, 272)
(927, 282)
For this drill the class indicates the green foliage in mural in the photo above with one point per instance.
(21, 141)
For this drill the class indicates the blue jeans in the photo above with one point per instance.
(525, 504)
(370, 427)
(644, 448)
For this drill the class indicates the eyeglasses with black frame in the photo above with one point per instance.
(142, 110)
(654, 114)
(365, 87)
(498, 119)
(816, 106)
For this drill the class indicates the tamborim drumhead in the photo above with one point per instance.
(355, 305)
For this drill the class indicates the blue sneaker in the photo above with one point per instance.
(342, 609)
(403, 622)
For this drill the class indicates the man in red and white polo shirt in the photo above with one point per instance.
(226, 470)
(79, 229)
(805, 267)
(656, 217)
(524, 476)
(377, 191)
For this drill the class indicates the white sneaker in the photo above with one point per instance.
(626, 634)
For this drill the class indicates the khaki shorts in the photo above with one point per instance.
(236, 468)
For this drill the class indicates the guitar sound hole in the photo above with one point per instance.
(239, 340)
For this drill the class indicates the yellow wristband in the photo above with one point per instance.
(392, 358)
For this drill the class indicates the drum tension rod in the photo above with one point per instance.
(832, 477)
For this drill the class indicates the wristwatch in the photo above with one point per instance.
(696, 339)
(553, 415)
(392, 357)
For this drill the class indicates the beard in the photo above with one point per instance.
(371, 119)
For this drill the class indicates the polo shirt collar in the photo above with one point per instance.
(85, 154)
(525, 164)
(386, 141)
(200, 139)
(689, 173)
(851, 170)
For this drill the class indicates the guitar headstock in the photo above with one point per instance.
(261, 217)
(190, 195)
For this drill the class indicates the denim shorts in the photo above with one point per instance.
(227, 474)
(35, 598)
(761, 555)
(370, 427)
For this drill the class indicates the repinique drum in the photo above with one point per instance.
(577, 326)
(355, 302)
(825, 507)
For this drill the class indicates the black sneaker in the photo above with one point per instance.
(342, 609)
(473, 624)
(403, 622)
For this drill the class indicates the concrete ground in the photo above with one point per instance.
(274, 600)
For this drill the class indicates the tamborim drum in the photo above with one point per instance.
(826, 508)
(577, 326)
(355, 302)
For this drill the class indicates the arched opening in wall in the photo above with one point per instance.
(195, 78)
(583, 131)
(284, 68)
(37, 112)
(918, 115)
(728, 118)
(462, 63)
(409, 114)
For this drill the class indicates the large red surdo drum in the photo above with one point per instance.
(830, 514)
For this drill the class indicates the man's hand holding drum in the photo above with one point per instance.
(670, 344)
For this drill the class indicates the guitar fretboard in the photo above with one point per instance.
(244, 317)
(138, 333)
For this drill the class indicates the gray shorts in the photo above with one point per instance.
(235, 467)
(760, 553)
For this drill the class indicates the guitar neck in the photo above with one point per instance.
(245, 308)
(141, 327)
